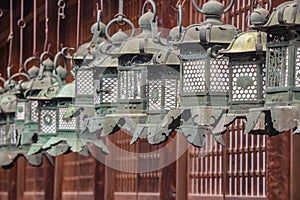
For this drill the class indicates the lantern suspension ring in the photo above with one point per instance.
(121, 20)
(254, 2)
(16, 75)
(62, 54)
(29, 60)
(203, 12)
(153, 8)
(42, 58)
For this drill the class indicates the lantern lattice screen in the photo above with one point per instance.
(63, 124)
(219, 75)
(110, 84)
(278, 66)
(3, 136)
(85, 82)
(131, 83)
(13, 136)
(194, 75)
(21, 110)
(96, 89)
(243, 158)
(48, 121)
(244, 82)
(297, 72)
(34, 111)
(171, 93)
(155, 91)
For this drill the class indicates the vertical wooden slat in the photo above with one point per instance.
(21, 178)
(181, 173)
(58, 178)
(295, 166)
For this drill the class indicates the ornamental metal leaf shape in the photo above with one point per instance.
(244, 82)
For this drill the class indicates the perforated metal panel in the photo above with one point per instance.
(194, 75)
(13, 137)
(297, 71)
(21, 110)
(96, 94)
(3, 136)
(82, 120)
(219, 75)
(34, 111)
(171, 93)
(155, 92)
(84, 82)
(244, 83)
(110, 84)
(130, 84)
(277, 67)
(63, 124)
(48, 121)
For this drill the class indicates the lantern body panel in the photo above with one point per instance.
(283, 73)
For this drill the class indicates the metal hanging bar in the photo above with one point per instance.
(21, 24)
(60, 15)
(11, 33)
(46, 25)
(34, 27)
(78, 24)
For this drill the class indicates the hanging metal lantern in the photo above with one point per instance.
(35, 89)
(247, 74)
(281, 112)
(204, 76)
(148, 76)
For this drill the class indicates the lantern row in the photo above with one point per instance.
(196, 81)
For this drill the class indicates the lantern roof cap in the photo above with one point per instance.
(145, 19)
(46, 93)
(83, 52)
(286, 14)
(118, 37)
(8, 102)
(246, 42)
(66, 91)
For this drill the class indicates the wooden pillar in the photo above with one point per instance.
(58, 173)
(21, 175)
(182, 172)
(109, 183)
(295, 167)
(168, 180)
(278, 166)
(12, 183)
(49, 179)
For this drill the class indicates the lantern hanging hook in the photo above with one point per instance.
(202, 12)
(1, 12)
(29, 60)
(62, 54)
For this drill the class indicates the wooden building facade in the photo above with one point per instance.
(248, 167)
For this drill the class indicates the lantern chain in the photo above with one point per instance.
(60, 15)
(21, 24)
(46, 25)
(10, 36)
(78, 24)
(34, 52)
